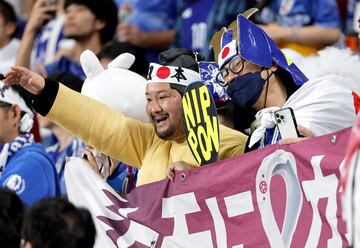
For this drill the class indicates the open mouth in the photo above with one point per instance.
(158, 120)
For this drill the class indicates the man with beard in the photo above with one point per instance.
(152, 146)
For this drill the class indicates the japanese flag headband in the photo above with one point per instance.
(171, 74)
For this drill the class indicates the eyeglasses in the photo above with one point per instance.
(236, 65)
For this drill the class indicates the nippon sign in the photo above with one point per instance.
(278, 196)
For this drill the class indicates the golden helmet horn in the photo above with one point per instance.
(215, 42)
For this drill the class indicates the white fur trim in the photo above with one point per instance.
(336, 61)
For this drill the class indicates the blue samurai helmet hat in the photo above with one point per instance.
(245, 39)
(255, 46)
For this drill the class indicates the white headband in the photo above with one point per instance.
(171, 74)
(8, 95)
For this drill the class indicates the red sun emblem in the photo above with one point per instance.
(225, 52)
(356, 102)
(263, 187)
(163, 72)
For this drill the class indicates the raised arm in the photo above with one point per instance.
(39, 16)
(308, 35)
(107, 130)
(29, 80)
(137, 37)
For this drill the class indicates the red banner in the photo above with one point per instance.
(278, 196)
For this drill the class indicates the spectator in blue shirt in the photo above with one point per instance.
(24, 166)
(90, 23)
(43, 35)
(199, 20)
(147, 24)
(303, 25)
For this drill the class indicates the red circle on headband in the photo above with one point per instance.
(225, 52)
(163, 72)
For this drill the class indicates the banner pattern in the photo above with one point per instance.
(278, 196)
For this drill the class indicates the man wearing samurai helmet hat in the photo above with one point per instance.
(258, 75)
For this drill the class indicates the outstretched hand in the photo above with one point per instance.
(29, 80)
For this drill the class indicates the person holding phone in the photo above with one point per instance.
(258, 75)
(43, 35)
(90, 24)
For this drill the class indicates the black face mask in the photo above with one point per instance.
(245, 90)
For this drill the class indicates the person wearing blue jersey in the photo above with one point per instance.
(303, 25)
(198, 20)
(43, 35)
(147, 24)
(90, 23)
(24, 165)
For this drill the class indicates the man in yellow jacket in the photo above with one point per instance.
(152, 146)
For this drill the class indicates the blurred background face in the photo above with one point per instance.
(164, 110)
(6, 31)
(8, 23)
(2, 30)
(6, 123)
(79, 22)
